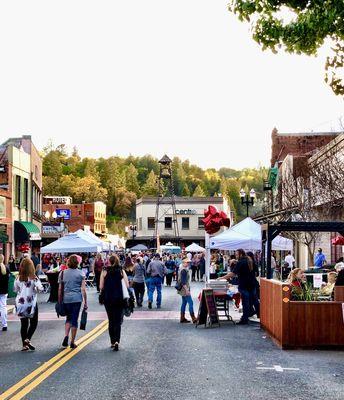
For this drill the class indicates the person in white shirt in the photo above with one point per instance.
(290, 260)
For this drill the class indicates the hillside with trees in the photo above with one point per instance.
(120, 181)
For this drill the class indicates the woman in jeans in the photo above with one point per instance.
(4, 275)
(112, 294)
(26, 286)
(72, 291)
(139, 281)
(184, 282)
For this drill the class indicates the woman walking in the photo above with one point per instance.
(139, 281)
(4, 275)
(26, 286)
(112, 296)
(72, 291)
(184, 285)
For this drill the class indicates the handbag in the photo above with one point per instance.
(124, 290)
(83, 320)
(60, 306)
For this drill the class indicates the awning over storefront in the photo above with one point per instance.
(25, 231)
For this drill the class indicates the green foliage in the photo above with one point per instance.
(298, 26)
(120, 181)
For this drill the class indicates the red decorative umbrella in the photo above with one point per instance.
(338, 241)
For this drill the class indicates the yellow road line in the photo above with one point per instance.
(49, 363)
(56, 366)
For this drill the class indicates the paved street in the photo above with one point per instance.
(162, 359)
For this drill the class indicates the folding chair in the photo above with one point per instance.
(90, 280)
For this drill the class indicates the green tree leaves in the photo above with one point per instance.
(120, 181)
(298, 26)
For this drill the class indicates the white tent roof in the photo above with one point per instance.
(246, 235)
(194, 248)
(88, 235)
(282, 243)
(72, 243)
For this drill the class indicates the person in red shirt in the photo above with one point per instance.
(98, 267)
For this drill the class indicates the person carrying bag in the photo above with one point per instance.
(26, 286)
(115, 297)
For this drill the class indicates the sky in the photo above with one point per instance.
(152, 77)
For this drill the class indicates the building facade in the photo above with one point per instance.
(190, 214)
(61, 216)
(306, 183)
(21, 194)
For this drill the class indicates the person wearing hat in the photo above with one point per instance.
(184, 279)
(157, 270)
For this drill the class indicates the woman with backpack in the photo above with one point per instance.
(26, 286)
(111, 296)
(4, 277)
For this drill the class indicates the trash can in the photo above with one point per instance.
(11, 280)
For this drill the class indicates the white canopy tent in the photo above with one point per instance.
(170, 248)
(194, 248)
(246, 235)
(72, 243)
(88, 235)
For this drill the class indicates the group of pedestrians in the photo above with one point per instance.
(245, 270)
(117, 279)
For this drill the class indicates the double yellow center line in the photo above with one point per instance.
(31, 381)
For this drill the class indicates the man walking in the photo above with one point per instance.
(320, 259)
(157, 271)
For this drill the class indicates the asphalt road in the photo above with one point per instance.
(162, 359)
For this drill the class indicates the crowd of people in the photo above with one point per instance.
(122, 278)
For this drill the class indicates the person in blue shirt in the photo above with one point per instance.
(320, 259)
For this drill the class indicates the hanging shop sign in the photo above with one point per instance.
(63, 213)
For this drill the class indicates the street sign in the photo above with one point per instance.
(63, 213)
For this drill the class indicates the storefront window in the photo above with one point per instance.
(186, 223)
(200, 223)
(168, 222)
(17, 190)
(151, 223)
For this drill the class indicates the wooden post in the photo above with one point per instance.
(207, 257)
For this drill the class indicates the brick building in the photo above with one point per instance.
(295, 158)
(72, 217)
(297, 144)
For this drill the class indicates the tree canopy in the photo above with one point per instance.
(120, 181)
(298, 26)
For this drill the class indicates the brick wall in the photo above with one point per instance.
(296, 144)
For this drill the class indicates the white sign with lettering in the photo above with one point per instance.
(317, 281)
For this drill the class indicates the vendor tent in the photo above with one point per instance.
(90, 236)
(282, 243)
(72, 243)
(194, 248)
(247, 235)
(139, 247)
(170, 248)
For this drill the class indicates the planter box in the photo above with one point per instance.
(294, 324)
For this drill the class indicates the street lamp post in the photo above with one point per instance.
(247, 199)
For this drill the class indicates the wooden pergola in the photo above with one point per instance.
(270, 231)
